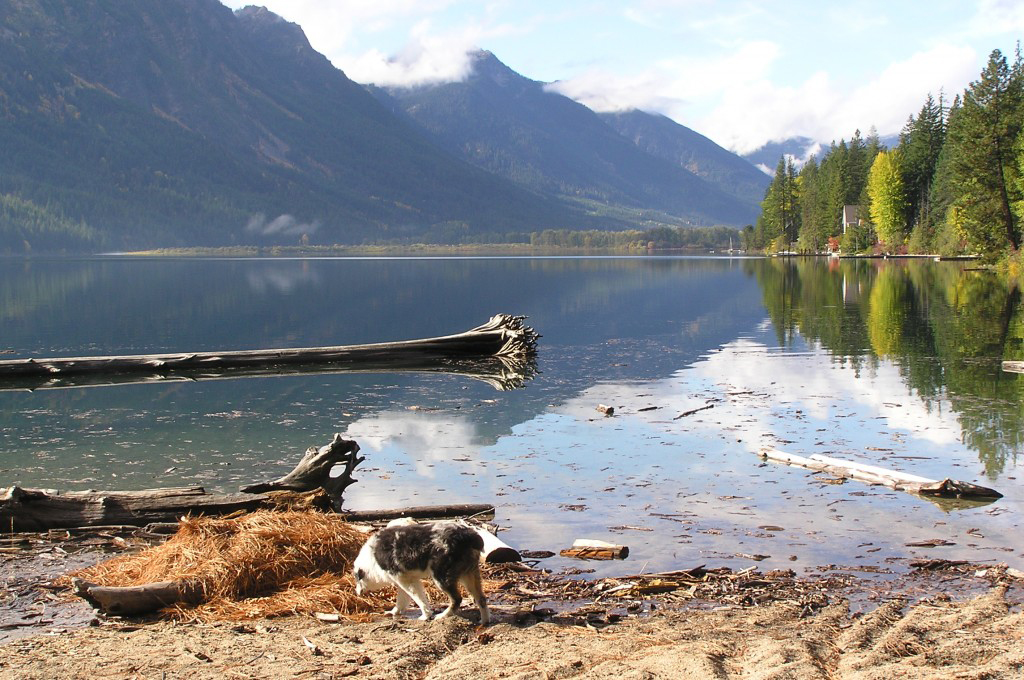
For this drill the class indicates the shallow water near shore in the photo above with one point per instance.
(889, 363)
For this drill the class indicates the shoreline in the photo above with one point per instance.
(958, 621)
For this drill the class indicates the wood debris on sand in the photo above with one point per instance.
(261, 564)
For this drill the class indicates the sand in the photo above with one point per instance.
(938, 637)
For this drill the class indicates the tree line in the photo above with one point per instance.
(655, 238)
(953, 185)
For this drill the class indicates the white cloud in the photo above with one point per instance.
(737, 101)
(997, 17)
(332, 26)
(285, 225)
(743, 74)
(396, 42)
(672, 83)
(428, 57)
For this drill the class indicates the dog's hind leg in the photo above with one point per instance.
(475, 588)
(451, 589)
(413, 588)
(401, 602)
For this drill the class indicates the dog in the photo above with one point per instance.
(404, 553)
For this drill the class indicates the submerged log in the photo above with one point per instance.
(43, 509)
(894, 479)
(503, 335)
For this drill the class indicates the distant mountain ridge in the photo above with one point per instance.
(512, 126)
(663, 137)
(127, 125)
(182, 122)
(767, 157)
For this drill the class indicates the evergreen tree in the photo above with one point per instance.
(984, 169)
(834, 180)
(816, 224)
(859, 164)
(921, 142)
(779, 223)
(941, 194)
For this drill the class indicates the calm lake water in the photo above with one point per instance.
(886, 362)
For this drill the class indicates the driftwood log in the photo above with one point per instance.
(592, 549)
(894, 479)
(135, 600)
(503, 336)
(419, 512)
(42, 509)
(503, 373)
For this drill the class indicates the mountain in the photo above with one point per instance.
(767, 156)
(663, 137)
(512, 126)
(138, 124)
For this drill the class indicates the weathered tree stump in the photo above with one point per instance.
(314, 471)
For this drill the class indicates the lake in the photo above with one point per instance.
(892, 363)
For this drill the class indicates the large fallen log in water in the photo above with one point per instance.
(503, 336)
(894, 479)
(42, 509)
(500, 372)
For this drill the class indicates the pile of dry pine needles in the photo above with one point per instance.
(261, 564)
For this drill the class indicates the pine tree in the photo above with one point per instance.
(834, 179)
(984, 169)
(921, 142)
(859, 164)
(779, 222)
(817, 224)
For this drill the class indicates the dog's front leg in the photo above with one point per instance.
(401, 602)
(414, 589)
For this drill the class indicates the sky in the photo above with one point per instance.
(741, 72)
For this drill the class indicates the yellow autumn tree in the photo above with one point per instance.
(888, 199)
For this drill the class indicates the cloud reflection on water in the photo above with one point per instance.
(686, 491)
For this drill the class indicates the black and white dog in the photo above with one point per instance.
(404, 553)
